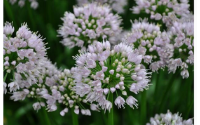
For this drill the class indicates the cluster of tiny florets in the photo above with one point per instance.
(21, 3)
(169, 119)
(142, 37)
(164, 10)
(68, 97)
(176, 48)
(116, 5)
(182, 36)
(172, 48)
(89, 23)
(53, 87)
(47, 76)
(21, 55)
(103, 71)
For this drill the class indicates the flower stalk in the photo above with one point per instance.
(47, 121)
(74, 118)
(110, 114)
(143, 107)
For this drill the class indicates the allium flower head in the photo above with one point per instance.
(21, 54)
(169, 119)
(175, 47)
(46, 78)
(147, 39)
(102, 71)
(172, 48)
(165, 10)
(54, 87)
(182, 36)
(142, 37)
(89, 23)
(116, 5)
(69, 98)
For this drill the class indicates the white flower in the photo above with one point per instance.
(99, 75)
(38, 105)
(111, 71)
(132, 57)
(62, 113)
(131, 101)
(85, 112)
(52, 108)
(106, 90)
(188, 122)
(8, 29)
(108, 105)
(21, 95)
(76, 110)
(23, 32)
(91, 63)
(167, 117)
(119, 101)
(13, 86)
(85, 89)
(185, 74)
(94, 107)
(34, 4)
(112, 89)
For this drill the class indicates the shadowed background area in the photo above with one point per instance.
(167, 91)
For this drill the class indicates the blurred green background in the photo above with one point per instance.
(167, 91)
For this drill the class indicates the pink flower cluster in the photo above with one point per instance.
(21, 55)
(172, 48)
(103, 71)
(165, 10)
(89, 23)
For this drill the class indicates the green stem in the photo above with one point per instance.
(143, 107)
(4, 79)
(156, 87)
(189, 109)
(74, 118)
(157, 80)
(169, 86)
(30, 119)
(110, 114)
(9, 12)
(31, 16)
(47, 121)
